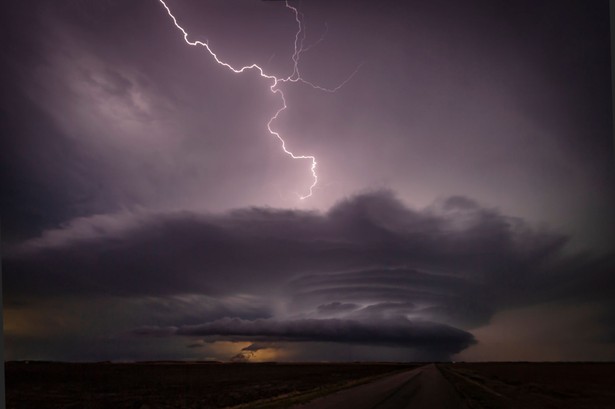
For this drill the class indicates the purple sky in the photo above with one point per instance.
(464, 203)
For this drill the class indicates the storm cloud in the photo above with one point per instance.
(399, 332)
(465, 179)
(369, 271)
(362, 245)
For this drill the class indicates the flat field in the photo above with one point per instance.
(173, 385)
(531, 385)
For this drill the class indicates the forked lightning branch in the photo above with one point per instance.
(294, 77)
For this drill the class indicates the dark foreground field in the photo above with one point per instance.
(173, 385)
(534, 385)
(312, 386)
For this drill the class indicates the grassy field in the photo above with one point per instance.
(176, 385)
(530, 385)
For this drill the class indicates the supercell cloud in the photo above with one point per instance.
(464, 205)
(369, 271)
(429, 337)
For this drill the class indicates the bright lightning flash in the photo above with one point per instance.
(275, 81)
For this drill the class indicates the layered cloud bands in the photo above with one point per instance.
(369, 271)
(398, 332)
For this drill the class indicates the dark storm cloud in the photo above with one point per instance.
(370, 256)
(398, 332)
(194, 308)
(484, 81)
(395, 308)
(336, 307)
(195, 345)
(382, 279)
(444, 296)
(367, 244)
(112, 126)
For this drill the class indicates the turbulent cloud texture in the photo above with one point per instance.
(123, 151)
(369, 271)
(368, 239)
(398, 332)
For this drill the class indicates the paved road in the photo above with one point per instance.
(423, 387)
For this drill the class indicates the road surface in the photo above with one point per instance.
(423, 387)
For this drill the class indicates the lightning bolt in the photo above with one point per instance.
(294, 77)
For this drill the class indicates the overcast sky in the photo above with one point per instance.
(465, 195)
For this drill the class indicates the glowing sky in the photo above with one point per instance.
(465, 181)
